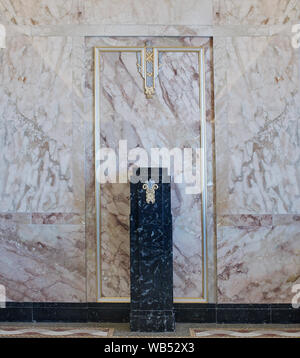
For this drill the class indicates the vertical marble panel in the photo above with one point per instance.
(81, 163)
(256, 12)
(127, 114)
(43, 263)
(221, 123)
(78, 116)
(36, 132)
(263, 130)
(90, 213)
(258, 264)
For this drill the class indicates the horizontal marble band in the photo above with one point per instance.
(14, 218)
(286, 219)
(57, 218)
(204, 12)
(42, 218)
(149, 30)
(245, 220)
(267, 220)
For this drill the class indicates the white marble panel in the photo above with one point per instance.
(42, 263)
(263, 130)
(36, 130)
(176, 12)
(256, 12)
(36, 12)
(258, 264)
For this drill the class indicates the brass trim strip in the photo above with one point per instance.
(201, 63)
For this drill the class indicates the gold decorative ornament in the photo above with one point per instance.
(150, 188)
(148, 64)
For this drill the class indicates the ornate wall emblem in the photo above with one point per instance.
(150, 188)
(148, 63)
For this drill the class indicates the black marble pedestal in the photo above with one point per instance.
(151, 256)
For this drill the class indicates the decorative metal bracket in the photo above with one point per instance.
(150, 188)
(148, 64)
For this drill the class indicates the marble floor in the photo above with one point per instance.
(120, 330)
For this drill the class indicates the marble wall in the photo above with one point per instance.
(42, 185)
(47, 202)
(257, 151)
(262, 127)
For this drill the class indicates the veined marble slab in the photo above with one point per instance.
(258, 264)
(41, 12)
(38, 172)
(42, 263)
(262, 132)
(36, 12)
(148, 12)
(258, 12)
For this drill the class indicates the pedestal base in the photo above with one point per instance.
(152, 321)
(151, 253)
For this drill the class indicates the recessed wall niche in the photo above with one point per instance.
(179, 114)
